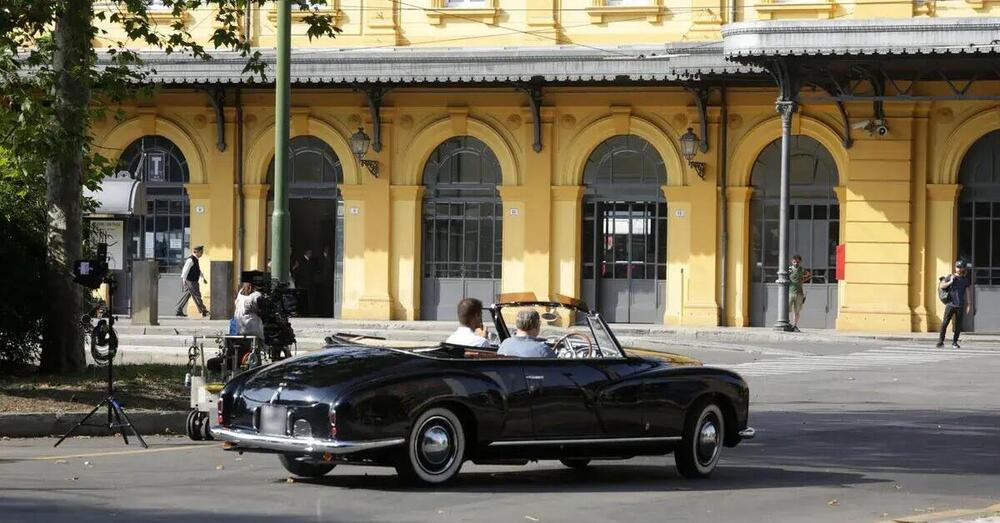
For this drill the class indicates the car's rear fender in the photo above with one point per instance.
(386, 408)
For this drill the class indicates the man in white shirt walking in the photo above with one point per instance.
(471, 332)
(190, 277)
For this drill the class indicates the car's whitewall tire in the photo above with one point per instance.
(435, 448)
(700, 447)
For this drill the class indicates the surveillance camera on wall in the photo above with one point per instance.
(874, 127)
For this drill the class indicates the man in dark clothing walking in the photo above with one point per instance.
(960, 303)
(190, 276)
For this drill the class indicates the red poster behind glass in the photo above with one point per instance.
(841, 250)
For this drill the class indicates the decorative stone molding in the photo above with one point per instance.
(166, 16)
(439, 12)
(600, 12)
(821, 9)
(299, 16)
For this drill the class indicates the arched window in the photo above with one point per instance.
(625, 231)
(316, 216)
(979, 209)
(462, 229)
(164, 233)
(814, 228)
(314, 166)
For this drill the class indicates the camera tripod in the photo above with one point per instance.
(104, 334)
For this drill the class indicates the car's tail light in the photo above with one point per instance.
(333, 423)
(220, 416)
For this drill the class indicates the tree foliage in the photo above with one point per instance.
(54, 82)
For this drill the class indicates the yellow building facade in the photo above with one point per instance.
(892, 201)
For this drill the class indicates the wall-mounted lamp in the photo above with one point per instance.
(359, 146)
(689, 148)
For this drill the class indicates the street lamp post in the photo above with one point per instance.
(786, 108)
(280, 229)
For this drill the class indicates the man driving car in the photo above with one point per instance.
(525, 343)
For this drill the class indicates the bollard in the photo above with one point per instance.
(145, 292)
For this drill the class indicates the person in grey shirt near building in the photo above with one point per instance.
(190, 276)
(525, 343)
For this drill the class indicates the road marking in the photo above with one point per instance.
(125, 452)
(878, 357)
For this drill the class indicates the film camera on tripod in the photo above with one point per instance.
(91, 274)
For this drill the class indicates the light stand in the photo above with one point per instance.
(104, 334)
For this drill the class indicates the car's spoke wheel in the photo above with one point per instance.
(304, 468)
(435, 449)
(701, 444)
(192, 427)
(575, 463)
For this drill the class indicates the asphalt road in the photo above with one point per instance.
(846, 432)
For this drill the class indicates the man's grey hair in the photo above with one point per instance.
(528, 319)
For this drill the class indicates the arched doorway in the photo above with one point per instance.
(979, 228)
(462, 228)
(814, 230)
(316, 215)
(625, 231)
(164, 233)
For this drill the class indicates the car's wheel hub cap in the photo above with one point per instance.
(708, 442)
(436, 445)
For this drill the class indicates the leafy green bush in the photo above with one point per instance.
(22, 261)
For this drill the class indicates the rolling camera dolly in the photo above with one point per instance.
(207, 377)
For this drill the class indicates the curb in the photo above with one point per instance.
(43, 424)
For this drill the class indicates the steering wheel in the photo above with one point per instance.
(570, 348)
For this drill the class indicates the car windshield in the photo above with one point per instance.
(582, 330)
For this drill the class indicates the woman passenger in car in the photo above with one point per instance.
(525, 343)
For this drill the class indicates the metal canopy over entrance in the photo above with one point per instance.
(814, 230)
(625, 231)
(875, 60)
(979, 228)
(317, 223)
(462, 228)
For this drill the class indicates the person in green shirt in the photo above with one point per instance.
(797, 275)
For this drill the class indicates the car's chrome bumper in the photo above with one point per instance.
(244, 439)
(748, 433)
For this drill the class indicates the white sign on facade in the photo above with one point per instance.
(176, 243)
(156, 167)
(111, 232)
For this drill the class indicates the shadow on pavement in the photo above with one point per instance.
(874, 441)
(602, 477)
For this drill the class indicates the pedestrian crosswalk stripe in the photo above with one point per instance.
(878, 357)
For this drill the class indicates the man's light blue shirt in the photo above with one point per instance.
(526, 347)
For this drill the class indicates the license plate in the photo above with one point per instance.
(273, 420)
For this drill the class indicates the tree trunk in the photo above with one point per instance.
(62, 344)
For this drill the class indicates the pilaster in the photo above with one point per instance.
(738, 257)
(367, 251)
(876, 215)
(406, 276)
(942, 226)
(565, 259)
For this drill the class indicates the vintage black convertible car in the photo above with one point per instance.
(425, 411)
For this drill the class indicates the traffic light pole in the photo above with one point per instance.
(280, 229)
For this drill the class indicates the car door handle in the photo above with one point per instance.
(534, 377)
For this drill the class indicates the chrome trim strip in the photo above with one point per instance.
(247, 439)
(587, 441)
(748, 433)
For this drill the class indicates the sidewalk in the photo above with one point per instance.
(321, 327)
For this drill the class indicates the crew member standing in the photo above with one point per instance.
(960, 303)
(797, 275)
(190, 277)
